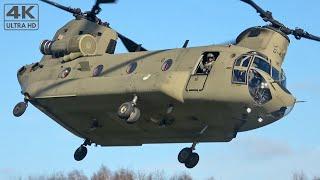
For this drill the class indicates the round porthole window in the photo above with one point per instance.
(132, 67)
(167, 64)
(64, 73)
(97, 71)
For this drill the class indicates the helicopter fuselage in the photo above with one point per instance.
(178, 101)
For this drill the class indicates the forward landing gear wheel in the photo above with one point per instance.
(125, 110)
(184, 154)
(188, 158)
(192, 161)
(80, 153)
(19, 109)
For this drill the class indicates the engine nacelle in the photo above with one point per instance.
(84, 44)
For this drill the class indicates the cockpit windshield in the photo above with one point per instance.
(261, 64)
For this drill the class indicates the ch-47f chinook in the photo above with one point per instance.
(198, 94)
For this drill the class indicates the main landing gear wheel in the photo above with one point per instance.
(184, 155)
(129, 112)
(125, 110)
(188, 158)
(80, 153)
(192, 161)
(19, 109)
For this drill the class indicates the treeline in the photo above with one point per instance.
(302, 176)
(122, 174)
(126, 174)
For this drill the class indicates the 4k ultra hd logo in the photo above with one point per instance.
(21, 17)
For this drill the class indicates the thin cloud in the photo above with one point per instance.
(264, 148)
(6, 170)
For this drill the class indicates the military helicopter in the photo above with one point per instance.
(182, 95)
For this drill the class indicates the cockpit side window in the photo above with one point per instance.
(240, 69)
(283, 79)
(261, 64)
(275, 74)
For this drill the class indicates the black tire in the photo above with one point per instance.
(192, 160)
(134, 116)
(80, 153)
(184, 155)
(125, 110)
(19, 109)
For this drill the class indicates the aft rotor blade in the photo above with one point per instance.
(96, 8)
(106, 1)
(130, 44)
(233, 41)
(68, 9)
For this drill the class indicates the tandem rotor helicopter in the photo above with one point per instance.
(183, 95)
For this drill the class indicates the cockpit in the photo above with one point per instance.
(251, 69)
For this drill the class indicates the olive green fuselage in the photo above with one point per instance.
(208, 103)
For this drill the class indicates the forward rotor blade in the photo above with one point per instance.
(255, 6)
(130, 44)
(267, 17)
(300, 33)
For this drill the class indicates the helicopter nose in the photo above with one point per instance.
(282, 102)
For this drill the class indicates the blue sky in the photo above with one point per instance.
(34, 144)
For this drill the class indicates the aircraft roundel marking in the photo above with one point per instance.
(167, 64)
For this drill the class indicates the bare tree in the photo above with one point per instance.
(103, 174)
(299, 176)
(142, 176)
(182, 176)
(36, 178)
(124, 174)
(57, 176)
(77, 175)
(316, 178)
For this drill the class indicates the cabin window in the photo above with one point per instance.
(64, 73)
(167, 64)
(97, 71)
(132, 67)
